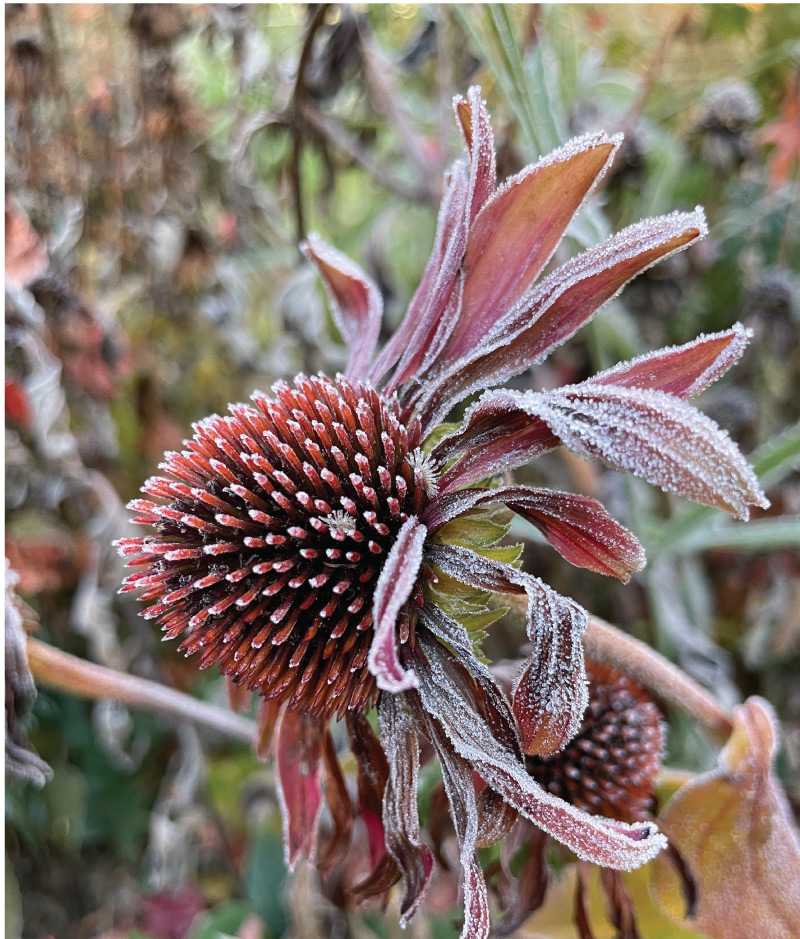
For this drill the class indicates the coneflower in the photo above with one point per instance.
(298, 542)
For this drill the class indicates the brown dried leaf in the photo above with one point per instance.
(734, 828)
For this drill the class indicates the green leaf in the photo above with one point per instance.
(265, 879)
(224, 920)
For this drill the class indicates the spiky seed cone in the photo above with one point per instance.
(271, 536)
(610, 766)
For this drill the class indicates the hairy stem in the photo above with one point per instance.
(65, 672)
(638, 661)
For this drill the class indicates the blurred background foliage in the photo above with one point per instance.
(162, 164)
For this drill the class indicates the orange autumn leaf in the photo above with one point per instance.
(734, 829)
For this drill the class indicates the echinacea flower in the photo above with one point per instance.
(302, 543)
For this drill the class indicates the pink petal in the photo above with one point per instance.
(578, 527)
(400, 816)
(298, 747)
(562, 303)
(551, 697)
(599, 840)
(684, 370)
(356, 302)
(394, 587)
(517, 231)
(372, 772)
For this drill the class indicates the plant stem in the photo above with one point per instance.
(65, 672)
(637, 660)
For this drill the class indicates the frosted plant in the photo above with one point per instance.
(308, 543)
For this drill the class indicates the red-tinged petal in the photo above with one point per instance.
(393, 589)
(684, 370)
(268, 713)
(412, 337)
(578, 527)
(460, 788)
(516, 232)
(562, 303)
(551, 695)
(400, 817)
(595, 839)
(356, 302)
(476, 126)
(372, 772)
(341, 809)
(298, 747)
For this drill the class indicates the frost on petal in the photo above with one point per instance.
(550, 696)
(682, 371)
(356, 302)
(554, 310)
(578, 527)
(600, 840)
(657, 437)
(460, 789)
(734, 829)
(516, 232)
(393, 589)
(298, 747)
(400, 816)
(476, 126)
(413, 338)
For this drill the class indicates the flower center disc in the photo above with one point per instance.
(272, 534)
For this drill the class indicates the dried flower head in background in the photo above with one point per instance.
(325, 545)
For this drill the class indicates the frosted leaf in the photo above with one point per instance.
(518, 229)
(400, 815)
(356, 302)
(297, 753)
(735, 830)
(557, 307)
(578, 527)
(393, 589)
(551, 695)
(592, 838)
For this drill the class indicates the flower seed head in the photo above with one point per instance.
(271, 534)
(609, 767)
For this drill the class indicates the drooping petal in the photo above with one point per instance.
(497, 437)
(394, 587)
(516, 232)
(338, 800)
(551, 696)
(400, 816)
(356, 302)
(552, 312)
(476, 126)
(298, 747)
(460, 788)
(372, 773)
(611, 844)
(578, 527)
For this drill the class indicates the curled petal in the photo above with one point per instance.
(476, 126)
(397, 580)
(372, 773)
(338, 799)
(578, 527)
(551, 695)
(400, 818)
(356, 302)
(298, 747)
(592, 838)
